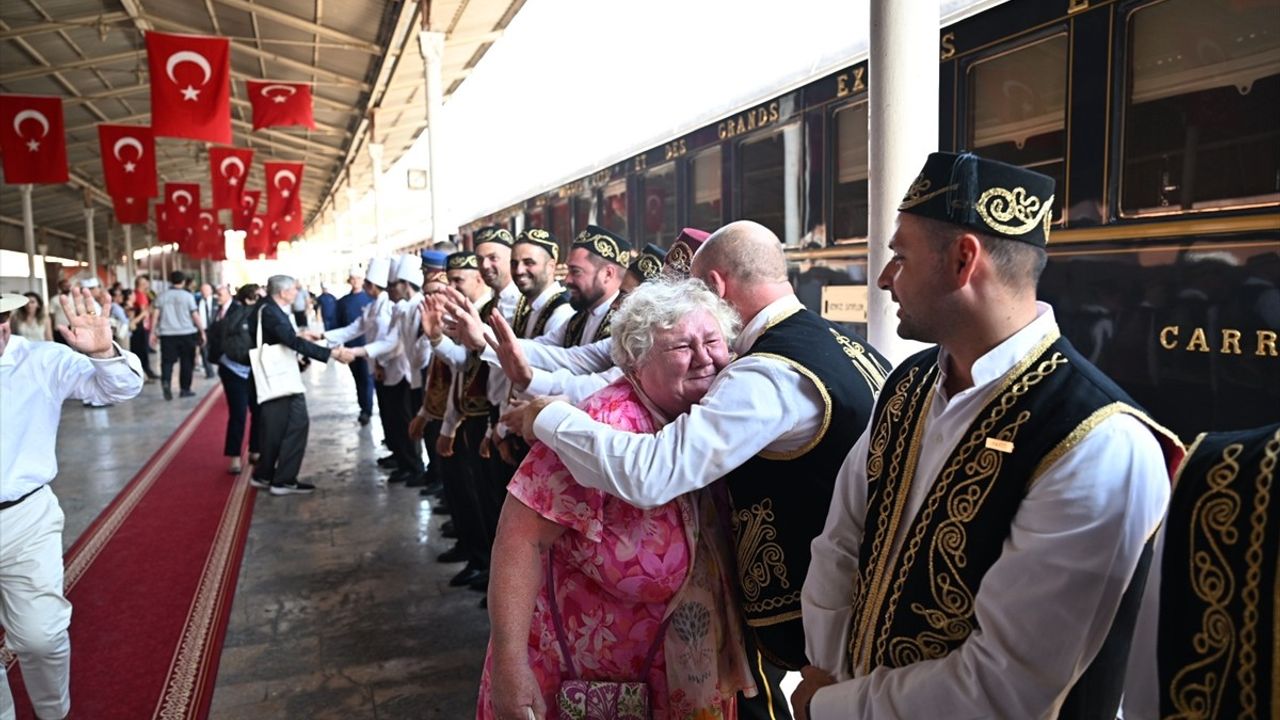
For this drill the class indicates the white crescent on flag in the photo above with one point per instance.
(256, 223)
(206, 219)
(287, 88)
(190, 56)
(180, 193)
(230, 160)
(293, 179)
(30, 115)
(125, 142)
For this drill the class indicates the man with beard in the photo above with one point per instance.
(988, 538)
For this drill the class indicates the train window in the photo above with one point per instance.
(769, 180)
(582, 215)
(613, 213)
(535, 218)
(1017, 109)
(850, 193)
(1202, 129)
(562, 225)
(706, 209)
(659, 206)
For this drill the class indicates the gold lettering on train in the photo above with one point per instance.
(1075, 6)
(851, 82)
(674, 149)
(1265, 344)
(640, 163)
(948, 45)
(749, 120)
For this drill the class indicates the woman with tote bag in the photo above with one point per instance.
(278, 381)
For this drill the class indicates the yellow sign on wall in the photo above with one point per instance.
(845, 303)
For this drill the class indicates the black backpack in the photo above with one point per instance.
(232, 335)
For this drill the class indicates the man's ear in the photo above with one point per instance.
(716, 282)
(964, 255)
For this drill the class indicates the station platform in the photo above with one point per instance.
(339, 610)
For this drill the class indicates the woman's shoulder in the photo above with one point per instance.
(618, 405)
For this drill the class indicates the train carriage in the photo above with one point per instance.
(1160, 121)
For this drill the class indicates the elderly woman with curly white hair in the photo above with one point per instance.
(586, 587)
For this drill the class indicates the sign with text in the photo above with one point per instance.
(845, 303)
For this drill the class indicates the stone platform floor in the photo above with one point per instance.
(341, 610)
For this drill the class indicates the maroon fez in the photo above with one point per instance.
(680, 257)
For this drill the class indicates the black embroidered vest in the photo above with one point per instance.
(524, 310)
(577, 325)
(1218, 580)
(471, 396)
(780, 500)
(439, 378)
(922, 606)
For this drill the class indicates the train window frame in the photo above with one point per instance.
(963, 123)
(794, 122)
(833, 164)
(689, 198)
(667, 236)
(1122, 81)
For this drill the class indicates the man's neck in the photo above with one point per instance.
(980, 335)
(751, 301)
(607, 297)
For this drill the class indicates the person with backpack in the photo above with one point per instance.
(230, 339)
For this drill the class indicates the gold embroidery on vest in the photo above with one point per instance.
(1093, 421)
(1253, 576)
(760, 560)
(1196, 690)
(826, 410)
(943, 483)
(866, 365)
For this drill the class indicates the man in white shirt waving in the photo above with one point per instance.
(34, 380)
(985, 547)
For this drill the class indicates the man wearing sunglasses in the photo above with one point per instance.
(35, 378)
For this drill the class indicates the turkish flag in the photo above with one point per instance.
(280, 104)
(244, 214)
(128, 160)
(32, 139)
(284, 183)
(190, 86)
(183, 201)
(255, 240)
(165, 229)
(209, 240)
(228, 170)
(130, 210)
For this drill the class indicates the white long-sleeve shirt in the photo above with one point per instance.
(374, 324)
(415, 346)
(739, 416)
(1045, 606)
(34, 380)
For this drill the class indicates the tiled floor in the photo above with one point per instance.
(341, 610)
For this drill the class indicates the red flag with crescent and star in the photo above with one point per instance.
(209, 240)
(128, 160)
(256, 241)
(183, 204)
(228, 170)
(164, 229)
(284, 183)
(190, 86)
(129, 210)
(32, 139)
(280, 104)
(243, 215)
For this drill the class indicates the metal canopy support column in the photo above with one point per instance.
(375, 157)
(90, 240)
(29, 238)
(903, 130)
(432, 46)
(128, 255)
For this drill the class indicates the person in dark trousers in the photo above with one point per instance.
(284, 420)
(179, 330)
(234, 372)
(327, 304)
(350, 308)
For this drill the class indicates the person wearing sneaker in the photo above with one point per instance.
(284, 420)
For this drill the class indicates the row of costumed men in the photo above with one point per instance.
(434, 386)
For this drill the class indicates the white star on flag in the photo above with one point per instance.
(233, 181)
(284, 193)
(128, 167)
(128, 201)
(33, 145)
(278, 98)
(190, 93)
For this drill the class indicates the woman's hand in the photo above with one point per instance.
(515, 692)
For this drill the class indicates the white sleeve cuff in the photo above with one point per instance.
(544, 427)
(541, 384)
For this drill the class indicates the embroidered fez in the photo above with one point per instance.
(542, 239)
(679, 258)
(988, 196)
(464, 260)
(648, 264)
(492, 234)
(434, 259)
(605, 244)
(379, 271)
(409, 269)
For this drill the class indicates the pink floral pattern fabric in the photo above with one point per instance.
(616, 569)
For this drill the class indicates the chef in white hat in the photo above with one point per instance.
(35, 378)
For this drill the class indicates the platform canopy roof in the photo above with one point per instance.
(362, 57)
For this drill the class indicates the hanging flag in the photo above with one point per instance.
(228, 170)
(208, 235)
(128, 160)
(243, 215)
(130, 210)
(190, 86)
(32, 139)
(284, 183)
(255, 239)
(280, 104)
(183, 201)
(165, 229)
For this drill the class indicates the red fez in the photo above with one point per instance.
(680, 257)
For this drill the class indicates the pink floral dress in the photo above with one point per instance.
(616, 567)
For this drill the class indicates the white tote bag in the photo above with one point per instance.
(275, 368)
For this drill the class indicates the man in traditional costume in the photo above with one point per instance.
(988, 538)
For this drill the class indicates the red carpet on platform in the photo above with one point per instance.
(152, 579)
